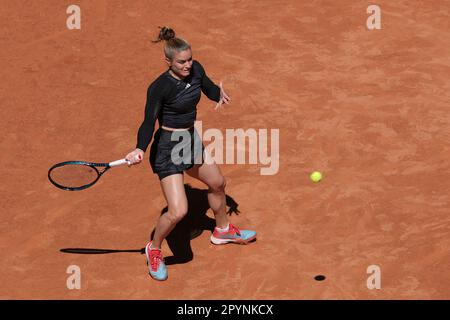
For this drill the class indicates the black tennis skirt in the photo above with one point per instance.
(173, 152)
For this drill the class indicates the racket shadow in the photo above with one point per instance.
(192, 225)
(98, 251)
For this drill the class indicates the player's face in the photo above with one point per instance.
(181, 63)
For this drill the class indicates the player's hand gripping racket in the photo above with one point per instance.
(79, 175)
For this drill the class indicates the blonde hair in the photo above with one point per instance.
(172, 43)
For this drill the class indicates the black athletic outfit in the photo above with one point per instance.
(174, 103)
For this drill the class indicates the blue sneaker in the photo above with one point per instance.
(233, 235)
(155, 262)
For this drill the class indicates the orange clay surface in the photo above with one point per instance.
(369, 109)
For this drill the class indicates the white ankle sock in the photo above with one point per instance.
(224, 229)
(152, 247)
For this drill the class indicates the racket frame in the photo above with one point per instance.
(93, 165)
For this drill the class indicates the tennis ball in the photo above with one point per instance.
(316, 176)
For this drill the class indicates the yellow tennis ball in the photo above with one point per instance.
(316, 176)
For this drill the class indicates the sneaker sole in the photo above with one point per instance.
(146, 255)
(218, 241)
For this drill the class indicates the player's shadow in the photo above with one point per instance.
(179, 240)
(192, 225)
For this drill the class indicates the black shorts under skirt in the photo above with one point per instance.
(169, 157)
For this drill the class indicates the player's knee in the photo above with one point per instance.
(218, 185)
(177, 212)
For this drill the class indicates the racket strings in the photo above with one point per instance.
(74, 175)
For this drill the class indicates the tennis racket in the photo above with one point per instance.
(79, 175)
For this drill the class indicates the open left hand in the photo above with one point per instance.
(224, 98)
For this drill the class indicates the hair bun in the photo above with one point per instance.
(166, 33)
(172, 44)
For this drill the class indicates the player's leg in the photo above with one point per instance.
(209, 173)
(173, 190)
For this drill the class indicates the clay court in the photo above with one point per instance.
(367, 108)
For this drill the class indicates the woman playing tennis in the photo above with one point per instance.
(172, 99)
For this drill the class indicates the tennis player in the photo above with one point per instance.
(172, 99)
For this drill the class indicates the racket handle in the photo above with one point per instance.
(118, 162)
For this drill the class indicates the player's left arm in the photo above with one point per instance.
(211, 90)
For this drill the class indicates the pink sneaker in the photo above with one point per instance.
(155, 262)
(233, 235)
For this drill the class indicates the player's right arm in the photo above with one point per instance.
(155, 96)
